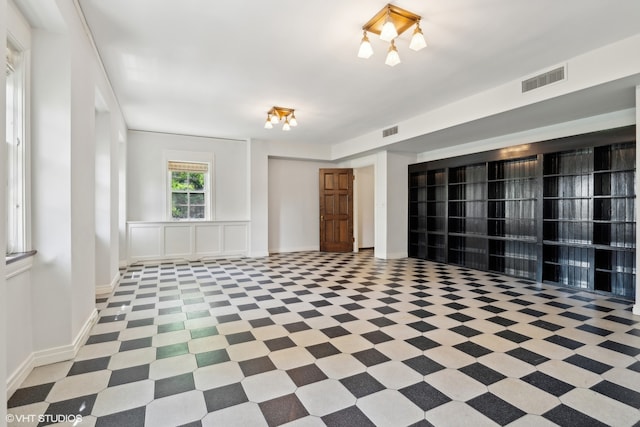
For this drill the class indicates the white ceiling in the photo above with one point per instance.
(213, 68)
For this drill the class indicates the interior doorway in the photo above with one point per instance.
(364, 216)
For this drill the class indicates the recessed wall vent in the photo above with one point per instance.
(544, 79)
(389, 131)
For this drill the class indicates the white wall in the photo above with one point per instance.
(3, 232)
(365, 215)
(294, 205)
(53, 304)
(258, 160)
(146, 174)
(102, 198)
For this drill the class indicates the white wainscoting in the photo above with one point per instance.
(186, 240)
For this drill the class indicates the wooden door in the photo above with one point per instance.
(336, 210)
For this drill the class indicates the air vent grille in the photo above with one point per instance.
(544, 79)
(389, 131)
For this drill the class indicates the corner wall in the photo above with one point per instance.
(55, 300)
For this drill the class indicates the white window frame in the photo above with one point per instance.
(18, 147)
(204, 191)
(189, 157)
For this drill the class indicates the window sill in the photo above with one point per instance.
(18, 263)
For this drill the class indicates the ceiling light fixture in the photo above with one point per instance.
(276, 114)
(389, 23)
(393, 58)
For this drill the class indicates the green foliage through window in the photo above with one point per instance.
(188, 195)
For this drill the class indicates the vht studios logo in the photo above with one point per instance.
(44, 418)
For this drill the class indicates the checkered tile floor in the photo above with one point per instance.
(312, 339)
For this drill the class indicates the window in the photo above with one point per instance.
(189, 190)
(16, 169)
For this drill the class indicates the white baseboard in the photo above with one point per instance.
(395, 255)
(108, 289)
(636, 308)
(315, 248)
(50, 355)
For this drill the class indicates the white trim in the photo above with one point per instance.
(314, 248)
(18, 267)
(108, 289)
(189, 156)
(636, 308)
(191, 240)
(50, 355)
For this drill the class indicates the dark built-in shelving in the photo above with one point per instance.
(560, 211)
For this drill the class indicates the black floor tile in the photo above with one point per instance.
(348, 417)
(465, 331)
(482, 373)
(204, 332)
(588, 364)
(281, 343)
(170, 327)
(513, 336)
(370, 357)
(224, 397)
(172, 350)
(594, 330)
(620, 348)
(501, 321)
(174, 385)
(423, 365)
(495, 408)
(424, 396)
(376, 337)
(619, 393)
(422, 326)
(131, 418)
(129, 375)
(307, 374)
(472, 349)
(90, 365)
(565, 416)
(100, 338)
(362, 384)
(546, 325)
(422, 343)
(29, 395)
(240, 337)
(335, 331)
(82, 405)
(547, 383)
(282, 410)
(322, 350)
(564, 342)
(256, 366)
(212, 357)
(527, 356)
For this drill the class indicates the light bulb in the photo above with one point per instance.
(267, 124)
(292, 121)
(393, 58)
(365, 50)
(275, 118)
(286, 126)
(417, 40)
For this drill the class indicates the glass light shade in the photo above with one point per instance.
(417, 40)
(274, 118)
(389, 31)
(365, 50)
(286, 126)
(268, 125)
(393, 58)
(293, 122)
